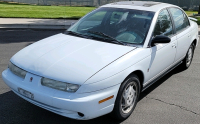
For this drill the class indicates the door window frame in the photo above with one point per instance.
(173, 26)
(178, 32)
(172, 23)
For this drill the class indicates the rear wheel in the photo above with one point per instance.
(127, 98)
(188, 58)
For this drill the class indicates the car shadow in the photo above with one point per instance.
(16, 110)
(178, 69)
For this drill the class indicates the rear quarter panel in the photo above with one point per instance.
(194, 31)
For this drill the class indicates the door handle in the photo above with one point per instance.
(174, 46)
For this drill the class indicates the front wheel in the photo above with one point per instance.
(188, 58)
(127, 98)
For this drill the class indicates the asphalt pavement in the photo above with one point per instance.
(174, 99)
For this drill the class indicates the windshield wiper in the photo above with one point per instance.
(76, 34)
(111, 39)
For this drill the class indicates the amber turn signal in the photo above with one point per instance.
(106, 99)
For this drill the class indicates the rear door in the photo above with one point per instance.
(183, 34)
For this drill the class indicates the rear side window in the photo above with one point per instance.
(180, 19)
(163, 24)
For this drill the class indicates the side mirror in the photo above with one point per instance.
(160, 39)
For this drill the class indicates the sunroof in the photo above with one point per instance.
(137, 3)
(150, 4)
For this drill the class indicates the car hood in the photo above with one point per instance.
(67, 58)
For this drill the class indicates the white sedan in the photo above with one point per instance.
(103, 62)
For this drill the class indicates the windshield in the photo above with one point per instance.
(122, 25)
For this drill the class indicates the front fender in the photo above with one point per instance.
(116, 72)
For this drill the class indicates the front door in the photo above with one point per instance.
(162, 55)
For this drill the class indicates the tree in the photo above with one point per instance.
(199, 9)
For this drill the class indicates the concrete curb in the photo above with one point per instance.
(40, 26)
(55, 24)
(35, 23)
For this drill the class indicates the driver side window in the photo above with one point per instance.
(163, 24)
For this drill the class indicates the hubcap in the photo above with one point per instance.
(128, 98)
(189, 57)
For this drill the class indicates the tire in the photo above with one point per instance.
(188, 58)
(127, 98)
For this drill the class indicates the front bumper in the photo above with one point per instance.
(62, 103)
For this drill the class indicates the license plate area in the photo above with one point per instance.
(26, 93)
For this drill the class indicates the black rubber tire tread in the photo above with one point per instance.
(184, 64)
(117, 112)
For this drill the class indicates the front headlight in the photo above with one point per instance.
(16, 70)
(59, 85)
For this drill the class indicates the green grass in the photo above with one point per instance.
(198, 22)
(190, 13)
(14, 10)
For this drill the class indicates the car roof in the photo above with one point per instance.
(140, 5)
